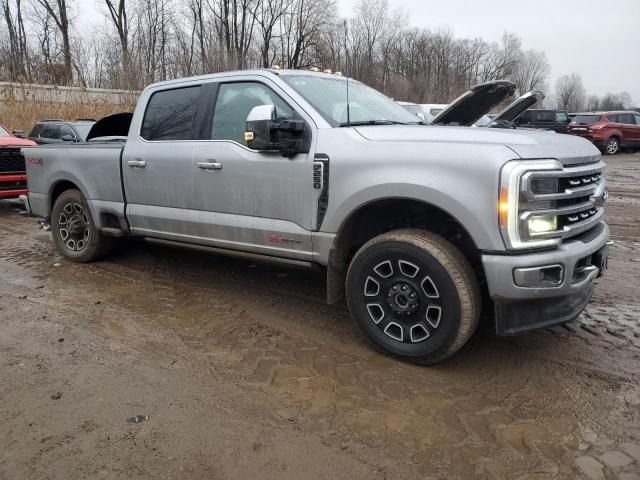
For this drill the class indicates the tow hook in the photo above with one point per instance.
(44, 225)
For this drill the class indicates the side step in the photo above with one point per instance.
(113, 232)
(235, 253)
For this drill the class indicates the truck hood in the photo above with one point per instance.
(516, 108)
(533, 144)
(474, 103)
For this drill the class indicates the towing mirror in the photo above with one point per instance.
(258, 133)
(265, 133)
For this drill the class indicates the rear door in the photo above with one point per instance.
(628, 127)
(636, 117)
(158, 165)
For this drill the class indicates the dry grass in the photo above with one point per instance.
(20, 111)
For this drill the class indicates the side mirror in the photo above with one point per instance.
(68, 138)
(18, 133)
(258, 133)
(421, 116)
(265, 133)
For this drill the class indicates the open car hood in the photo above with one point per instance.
(116, 125)
(515, 109)
(474, 103)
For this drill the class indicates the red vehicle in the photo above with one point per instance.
(13, 176)
(609, 131)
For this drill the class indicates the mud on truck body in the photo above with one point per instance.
(420, 227)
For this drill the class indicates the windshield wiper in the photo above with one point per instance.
(372, 122)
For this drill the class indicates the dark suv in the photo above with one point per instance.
(556, 120)
(609, 131)
(57, 131)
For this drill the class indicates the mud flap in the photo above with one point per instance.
(513, 318)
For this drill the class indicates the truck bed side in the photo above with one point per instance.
(94, 168)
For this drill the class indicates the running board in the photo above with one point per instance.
(113, 232)
(234, 253)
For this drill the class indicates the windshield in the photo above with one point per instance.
(3, 132)
(366, 105)
(484, 121)
(586, 119)
(83, 130)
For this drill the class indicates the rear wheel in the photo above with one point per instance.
(612, 146)
(74, 232)
(414, 295)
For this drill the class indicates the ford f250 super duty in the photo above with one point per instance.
(420, 226)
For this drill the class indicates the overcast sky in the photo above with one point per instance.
(599, 39)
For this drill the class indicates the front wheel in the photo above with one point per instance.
(74, 232)
(414, 295)
(612, 147)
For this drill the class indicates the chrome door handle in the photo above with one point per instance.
(210, 165)
(137, 163)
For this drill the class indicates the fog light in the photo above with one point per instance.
(542, 224)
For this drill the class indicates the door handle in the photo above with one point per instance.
(137, 163)
(210, 165)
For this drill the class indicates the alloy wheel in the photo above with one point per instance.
(73, 227)
(403, 300)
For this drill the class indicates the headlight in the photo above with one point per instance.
(519, 229)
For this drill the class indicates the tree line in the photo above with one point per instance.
(143, 41)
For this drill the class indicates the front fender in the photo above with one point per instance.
(478, 216)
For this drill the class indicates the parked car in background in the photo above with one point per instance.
(57, 131)
(609, 131)
(432, 109)
(556, 120)
(13, 177)
(414, 108)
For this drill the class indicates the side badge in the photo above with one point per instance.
(318, 170)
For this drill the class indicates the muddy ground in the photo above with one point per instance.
(239, 371)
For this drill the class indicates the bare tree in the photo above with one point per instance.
(530, 71)
(570, 93)
(18, 55)
(58, 11)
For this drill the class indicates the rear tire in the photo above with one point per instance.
(74, 232)
(414, 295)
(612, 146)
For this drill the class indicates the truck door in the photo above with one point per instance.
(254, 201)
(158, 166)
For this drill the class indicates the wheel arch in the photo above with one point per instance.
(378, 216)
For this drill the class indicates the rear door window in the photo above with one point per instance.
(50, 131)
(545, 116)
(626, 118)
(637, 119)
(561, 117)
(170, 114)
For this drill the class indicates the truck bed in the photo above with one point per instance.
(95, 165)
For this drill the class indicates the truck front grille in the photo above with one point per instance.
(574, 195)
(11, 161)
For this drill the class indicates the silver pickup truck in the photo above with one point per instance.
(420, 227)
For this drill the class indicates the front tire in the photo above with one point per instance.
(74, 232)
(414, 295)
(612, 146)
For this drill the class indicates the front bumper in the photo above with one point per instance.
(520, 309)
(12, 186)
